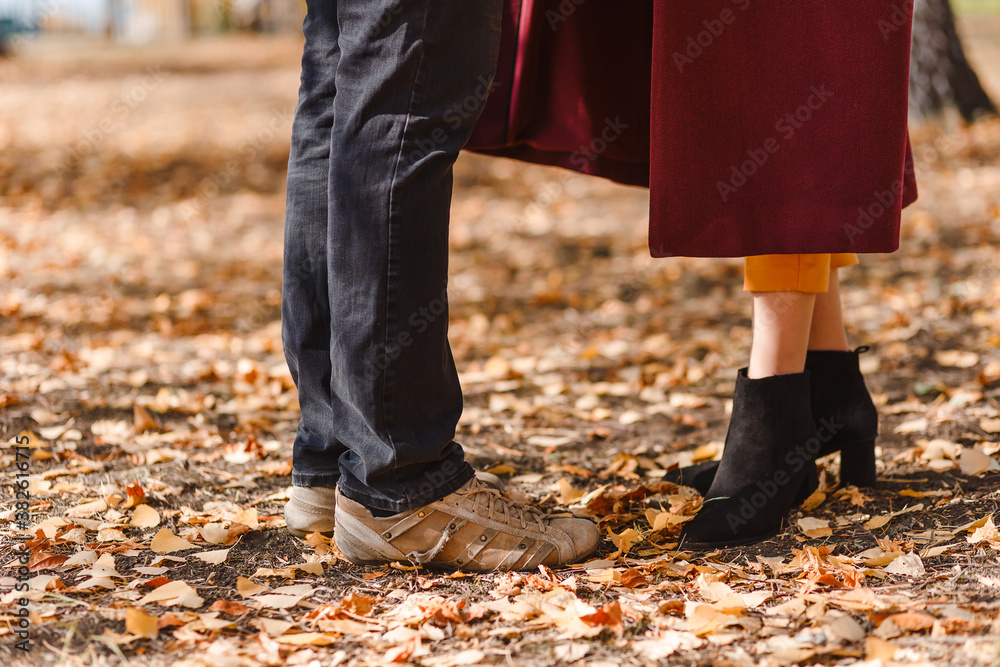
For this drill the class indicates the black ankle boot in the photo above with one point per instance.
(768, 462)
(845, 416)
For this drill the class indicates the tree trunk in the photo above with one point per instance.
(940, 74)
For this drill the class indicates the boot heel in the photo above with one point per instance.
(808, 486)
(857, 465)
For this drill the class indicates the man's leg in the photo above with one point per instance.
(412, 78)
(305, 306)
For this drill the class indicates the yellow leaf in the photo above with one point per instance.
(502, 469)
(878, 521)
(165, 542)
(145, 517)
(814, 528)
(704, 619)
(879, 649)
(143, 420)
(812, 502)
(978, 523)
(213, 557)
(214, 533)
(87, 509)
(608, 576)
(247, 517)
(140, 623)
(311, 568)
(173, 593)
(319, 542)
(626, 540)
(278, 600)
(974, 462)
(247, 588)
(883, 559)
(272, 626)
(568, 494)
(986, 533)
(284, 572)
(307, 639)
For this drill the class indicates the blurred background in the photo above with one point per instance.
(143, 148)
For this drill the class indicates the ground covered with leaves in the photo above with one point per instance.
(146, 399)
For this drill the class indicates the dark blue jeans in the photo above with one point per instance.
(389, 94)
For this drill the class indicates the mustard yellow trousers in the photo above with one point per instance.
(793, 273)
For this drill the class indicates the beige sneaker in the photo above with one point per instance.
(475, 529)
(311, 509)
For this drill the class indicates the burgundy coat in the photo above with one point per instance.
(760, 127)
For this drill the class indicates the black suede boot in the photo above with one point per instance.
(768, 462)
(845, 416)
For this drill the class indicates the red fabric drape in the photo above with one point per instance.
(760, 128)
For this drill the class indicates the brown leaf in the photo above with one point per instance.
(247, 588)
(165, 542)
(174, 593)
(145, 517)
(358, 604)
(140, 623)
(820, 567)
(442, 611)
(812, 502)
(134, 495)
(568, 494)
(229, 607)
(912, 621)
(156, 582)
(624, 541)
(609, 616)
(633, 578)
(45, 561)
(404, 651)
(144, 420)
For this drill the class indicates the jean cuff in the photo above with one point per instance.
(362, 494)
(306, 479)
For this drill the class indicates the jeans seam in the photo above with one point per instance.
(389, 244)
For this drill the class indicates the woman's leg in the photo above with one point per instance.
(841, 404)
(785, 289)
(768, 464)
(827, 332)
(781, 326)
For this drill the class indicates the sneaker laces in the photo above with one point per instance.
(496, 503)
